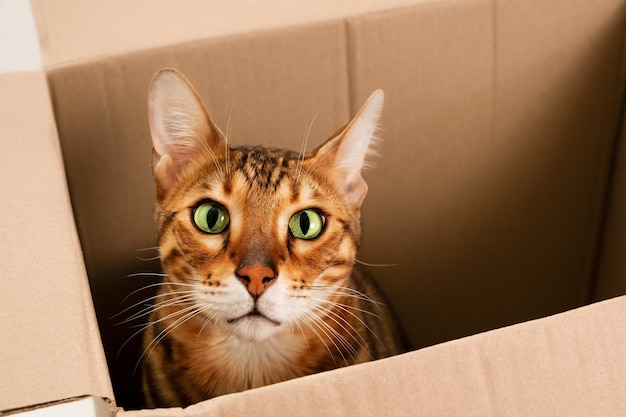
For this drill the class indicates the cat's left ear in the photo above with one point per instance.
(345, 154)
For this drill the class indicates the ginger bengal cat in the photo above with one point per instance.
(258, 249)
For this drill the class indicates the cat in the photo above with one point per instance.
(257, 247)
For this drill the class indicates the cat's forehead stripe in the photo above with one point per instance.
(265, 167)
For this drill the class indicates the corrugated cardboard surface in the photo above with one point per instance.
(86, 406)
(49, 345)
(569, 365)
(500, 122)
(116, 27)
(500, 125)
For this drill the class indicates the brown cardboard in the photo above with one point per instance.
(612, 263)
(496, 184)
(497, 193)
(118, 27)
(566, 365)
(50, 347)
(495, 159)
(87, 406)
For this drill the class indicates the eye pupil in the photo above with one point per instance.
(212, 216)
(305, 223)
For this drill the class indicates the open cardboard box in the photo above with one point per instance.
(500, 196)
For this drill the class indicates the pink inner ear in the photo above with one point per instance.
(165, 172)
(179, 123)
(355, 189)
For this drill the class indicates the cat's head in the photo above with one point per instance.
(258, 240)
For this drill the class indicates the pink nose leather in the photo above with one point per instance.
(256, 278)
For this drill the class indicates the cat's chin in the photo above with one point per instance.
(254, 326)
(254, 315)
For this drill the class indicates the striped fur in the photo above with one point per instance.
(211, 332)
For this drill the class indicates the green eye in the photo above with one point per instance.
(210, 217)
(306, 224)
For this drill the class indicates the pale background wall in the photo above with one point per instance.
(19, 45)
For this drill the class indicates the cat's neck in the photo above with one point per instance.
(254, 363)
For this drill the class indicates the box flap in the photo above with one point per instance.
(103, 28)
(50, 347)
(71, 407)
(496, 152)
(571, 364)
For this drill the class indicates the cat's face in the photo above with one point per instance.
(257, 241)
(294, 228)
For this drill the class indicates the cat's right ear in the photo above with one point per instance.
(180, 126)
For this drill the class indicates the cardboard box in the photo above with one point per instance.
(500, 192)
(51, 349)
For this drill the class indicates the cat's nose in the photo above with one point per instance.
(256, 278)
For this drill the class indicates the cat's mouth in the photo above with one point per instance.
(253, 315)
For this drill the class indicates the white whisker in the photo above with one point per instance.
(208, 318)
(145, 326)
(360, 310)
(345, 292)
(346, 308)
(301, 330)
(146, 300)
(317, 162)
(154, 258)
(375, 265)
(303, 146)
(147, 249)
(333, 335)
(228, 133)
(188, 313)
(157, 284)
(182, 298)
(340, 293)
(310, 319)
(336, 336)
(351, 331)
